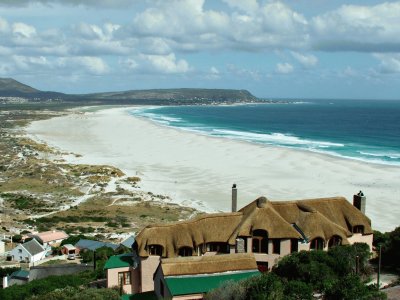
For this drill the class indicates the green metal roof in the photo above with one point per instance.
(202, 284)
(20, 274)
(142, 296)
(119, 261)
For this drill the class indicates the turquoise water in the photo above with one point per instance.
(364, 130)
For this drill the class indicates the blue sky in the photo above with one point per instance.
(292, 48)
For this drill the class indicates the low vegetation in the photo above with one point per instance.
(339, 274)
(40, 191)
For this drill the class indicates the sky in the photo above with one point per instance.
(275, 49)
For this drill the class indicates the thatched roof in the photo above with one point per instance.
(260, 214)
(208, 264)
(200, 230)
(335, 213)
(323, 217)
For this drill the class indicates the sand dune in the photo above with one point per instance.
(198, 170)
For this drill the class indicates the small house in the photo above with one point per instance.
(68, 249)
(193, 277)
(120, 270)
(29, 252)
(50, 238)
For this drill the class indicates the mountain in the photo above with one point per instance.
(12, 88)
(9, 85)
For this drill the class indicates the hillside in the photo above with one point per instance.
(12, 88)
(9, 85)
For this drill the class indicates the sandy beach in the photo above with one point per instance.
(198, 171)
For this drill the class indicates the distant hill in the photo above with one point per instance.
(9, 85)
(12, 88)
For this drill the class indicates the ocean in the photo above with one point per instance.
(367, 130)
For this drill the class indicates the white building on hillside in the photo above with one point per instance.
(29, 252)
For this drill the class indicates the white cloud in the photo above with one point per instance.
(213, 73)
(165, 63)
(27, 62)
(307, 60)
(129, 63)
(284, 68)
(4, 27)
(358, 28)
(23, 30)
(389, 62)
(93, 65)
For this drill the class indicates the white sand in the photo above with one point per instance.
(198, 171)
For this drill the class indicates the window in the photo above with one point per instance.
(294, 245)
(124, 278)
(317, 244)
(335, 241)
(218, 247)
(19, 250)
(155, 250)
(260, 241)
(276, 246)
(358, 229)
(185, 251)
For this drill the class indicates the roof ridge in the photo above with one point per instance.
(197, 218)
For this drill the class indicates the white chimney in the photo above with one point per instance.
(360, 201)
(234, 198)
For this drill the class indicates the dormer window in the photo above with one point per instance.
(218, 247)
(334, 241)
(358, 229)
(260, 241)
(185, 251)
(155, 250)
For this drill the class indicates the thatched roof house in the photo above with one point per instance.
(300, 219)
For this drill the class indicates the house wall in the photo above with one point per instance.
(270, 258)
(112, 279)
(23, 255)
(38, 256)
(148, 267)
(2, 247)
(136, 283)
(360, 238)
(65, 251)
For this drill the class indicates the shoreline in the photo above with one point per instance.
(197, 170)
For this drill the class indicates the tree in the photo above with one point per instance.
(267, 286)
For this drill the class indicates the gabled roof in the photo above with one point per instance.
(24, 274)
(49, 236)
(191, 265)
(93, 245)
(33, 247)
(119, 261)
(187, 285)
(128, 242)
